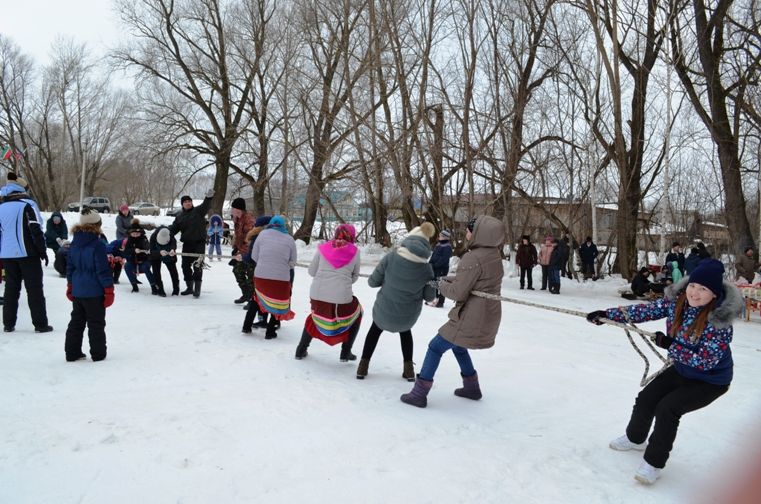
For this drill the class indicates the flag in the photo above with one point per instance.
(7, 152)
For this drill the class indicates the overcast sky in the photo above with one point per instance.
(34, 24)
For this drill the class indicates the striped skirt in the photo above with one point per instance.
(274, 296)
(331, 322)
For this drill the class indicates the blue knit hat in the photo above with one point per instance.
(262, 221)
(710, 274)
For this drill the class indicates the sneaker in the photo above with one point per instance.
(623, 444)
(43, 329)
(647, 474)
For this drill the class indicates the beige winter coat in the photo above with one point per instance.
(473, 322)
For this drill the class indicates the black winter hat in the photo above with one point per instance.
(239, 203)
(710, 274)
(185, 198)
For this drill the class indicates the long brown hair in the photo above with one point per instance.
(698, 326)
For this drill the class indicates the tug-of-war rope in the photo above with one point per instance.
(629, 327)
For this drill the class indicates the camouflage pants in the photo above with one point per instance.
(244, 275)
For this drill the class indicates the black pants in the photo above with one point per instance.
(171, 265)
(90, 312)
(588, 269)
(666, 399)
(29, 271)
(526, 273)
(244, 275)
(117, 271)
(346, 346)
(189, 273)
(371, 341)
(545, 275)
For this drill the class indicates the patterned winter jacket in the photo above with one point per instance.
(709, 358)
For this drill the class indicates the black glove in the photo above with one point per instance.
(45, 258)
(595, 316)
(662, 340)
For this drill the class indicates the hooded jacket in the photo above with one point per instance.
(20, 228)
(474, 321)
(334, 269)
(403, 277)
(54, 232)
(709, 358)
(526, 256)
(87, 268)
(155, 247)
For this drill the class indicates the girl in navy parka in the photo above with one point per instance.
(90, 288)
(699, 311)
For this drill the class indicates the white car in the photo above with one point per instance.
(144, 208)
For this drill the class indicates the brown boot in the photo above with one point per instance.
(364, 364)
(409, 371)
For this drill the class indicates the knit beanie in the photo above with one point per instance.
(135, 227)
(239, 203)
(445, 233)
(426, 230)
(185, 198)
(124, 208)
(89, 216)
(163, 236)
(710, 274)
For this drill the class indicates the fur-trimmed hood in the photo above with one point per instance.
(86, 228)
(723, 315)
(254, 232)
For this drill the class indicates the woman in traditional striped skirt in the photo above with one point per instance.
(336, 312)
(274, 253)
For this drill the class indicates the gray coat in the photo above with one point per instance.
(330, 284)
(474, 321)
(746, 267)
(404, 286)
(274, 254)
(123, 223)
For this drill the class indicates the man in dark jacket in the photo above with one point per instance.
(191, 224)
(56, 231)
(677, 255)
(526, 259)
(588, 253)
(22, 246)
(641, 284)
(163, 248)
(558, 260)
(439, 260)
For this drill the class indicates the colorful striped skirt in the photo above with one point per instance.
(274, 296)
(332, 322)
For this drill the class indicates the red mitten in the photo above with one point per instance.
(68, 292)
(108, 296)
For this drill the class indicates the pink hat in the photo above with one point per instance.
(124, 208)
(345, 232)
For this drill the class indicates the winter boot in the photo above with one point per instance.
(154, 290)
(418, 396)
(197, 289)
(74, 358)
(470, 388)
(271, 328)
(346, 354)
(409, 371)
(134, 287)
(364, 364)
(301, 349)
(647, 474)
(175, 289)
(241, 299)
(623, 444)
(161, 292)
(189, 290)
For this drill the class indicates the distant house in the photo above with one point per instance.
(345, 205)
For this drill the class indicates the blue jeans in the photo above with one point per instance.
(212, 247)
(144, 267)
(436, 349)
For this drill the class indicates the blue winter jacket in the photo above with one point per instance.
(439, 260)
(20, 230)
(709, 358)
(87, 269)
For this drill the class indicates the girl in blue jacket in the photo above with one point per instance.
(90, 288)
(699, 311)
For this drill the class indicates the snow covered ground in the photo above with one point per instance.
(188, 409)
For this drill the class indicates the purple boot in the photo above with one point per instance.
(470, 388)
(418, 396)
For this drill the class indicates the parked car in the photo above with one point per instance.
(99, 203)
(144, 208)
(172, 212)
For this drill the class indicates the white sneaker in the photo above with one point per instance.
(647, 474)
(623, 444)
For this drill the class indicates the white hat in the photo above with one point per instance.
(163, 236)
(89, 216)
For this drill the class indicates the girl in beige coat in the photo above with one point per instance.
(473, 322)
